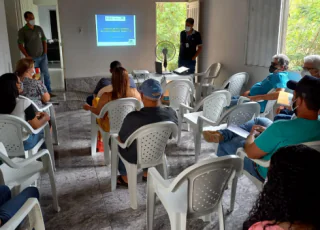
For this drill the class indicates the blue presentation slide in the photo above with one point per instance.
(116, 30)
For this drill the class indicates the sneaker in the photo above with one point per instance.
(212, 136)
(52, 95)
(100, 147)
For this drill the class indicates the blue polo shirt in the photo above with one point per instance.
(273, 81)
(284, 133)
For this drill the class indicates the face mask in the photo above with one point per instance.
(32, 22)
(305, 72)
(272, 68)
(188, 28)
(294, 106)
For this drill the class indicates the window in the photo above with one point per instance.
(301, 36)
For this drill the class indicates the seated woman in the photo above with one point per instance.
(120, 89)
(11, 103)
(32, 88)
(289, 199)
(10, 206)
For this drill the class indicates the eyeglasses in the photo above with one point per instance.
(306, 68)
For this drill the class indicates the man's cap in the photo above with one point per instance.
(309, 88)
(151, 89)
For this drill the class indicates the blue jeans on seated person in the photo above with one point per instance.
(122, 168)
(89, 100)
(284, 114)
(9, 207)
(234, 101)
(33, 141)
(232, 142)
(189, 64)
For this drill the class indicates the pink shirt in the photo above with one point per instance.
(260, 226)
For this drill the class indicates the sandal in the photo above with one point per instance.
(121, 182)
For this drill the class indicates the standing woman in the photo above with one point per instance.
(190, 46)
(12, 104)
(290, 199)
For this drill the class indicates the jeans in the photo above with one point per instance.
(122, 168)
(232, 142)
(42, 63)
(9, 207)
(284, 114)
(189, 64)
(234, 101)
(89, 100)
(33, 140)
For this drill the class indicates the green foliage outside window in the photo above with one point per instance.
(303, 31)
(171, 19)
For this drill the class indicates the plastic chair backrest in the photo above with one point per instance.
(240, 114)
(207, 181)
(117, 110)
(151, 141)
(13, 130)
(235, 83)
(214, 104)
(179, 92)
(211, 73)
(314, 144)
(5, 172)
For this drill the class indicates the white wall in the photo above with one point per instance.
(44, 19)
(223, 25)
(5, 59)
(82, 57)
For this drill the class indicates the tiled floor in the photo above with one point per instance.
(84, 186)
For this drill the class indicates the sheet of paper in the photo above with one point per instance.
(284, 98)
(237, 130)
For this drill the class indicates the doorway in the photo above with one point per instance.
(170, 21)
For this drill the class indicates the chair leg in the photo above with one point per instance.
(49, 145)
(94, 135)
(165, 167)
(132, 183)
(52, 183)
(151, 199)
(233, 194)
(178, 221)
(180, 118)
(106, 138)
(197, 143)
(114, 164)
(54, 126)
(221, 216)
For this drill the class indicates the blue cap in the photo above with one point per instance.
(151, 89)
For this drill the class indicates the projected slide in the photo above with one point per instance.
(116, 30)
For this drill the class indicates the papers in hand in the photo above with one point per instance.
(284, 98)
(239, 131)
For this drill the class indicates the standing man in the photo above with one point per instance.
(190, 46)
(33, 43)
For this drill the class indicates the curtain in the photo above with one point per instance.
(263, 31)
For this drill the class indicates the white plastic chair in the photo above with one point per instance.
(205, 86)
(195, 192)
(237, 115)
(30, 209)
(117, 110)
(49, 109)
(14, 130)
(264, 163)
(151, 141)
(213, 106)
(19, 173)
(235, 83)
(268, 111)
(180, 91)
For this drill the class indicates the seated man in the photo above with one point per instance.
(266, 137)
(151, 93)
(310, 67)
(10, 206)
(277, 80)
(106, 82)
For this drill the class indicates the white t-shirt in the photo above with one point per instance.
(24, 109)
